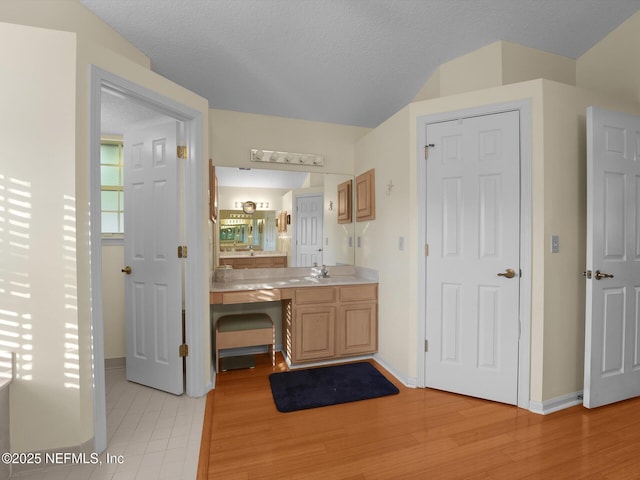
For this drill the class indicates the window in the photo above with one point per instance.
(112, 190)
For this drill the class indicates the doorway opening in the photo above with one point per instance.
(194, 270)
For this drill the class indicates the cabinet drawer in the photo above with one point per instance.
(244, 263)
(251, 296)
(356, 293)
(315, 295)
(264, 262)
(280, 261)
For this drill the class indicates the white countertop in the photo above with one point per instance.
(229, 280)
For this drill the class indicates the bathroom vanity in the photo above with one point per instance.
(323, 319)
(253, 259)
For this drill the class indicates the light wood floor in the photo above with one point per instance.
(418, 434)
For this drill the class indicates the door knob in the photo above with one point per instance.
(598, 275)
(508, 273)
(126, 270)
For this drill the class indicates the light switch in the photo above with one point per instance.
(555, 243)
(401, 244)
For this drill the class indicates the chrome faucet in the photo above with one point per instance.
(321, 272)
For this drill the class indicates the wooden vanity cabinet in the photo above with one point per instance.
(255, 262)
(325, 323)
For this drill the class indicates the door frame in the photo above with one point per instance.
(195, 288)
(524, 343)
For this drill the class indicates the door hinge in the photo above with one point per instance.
(182, 251)
(426, 249)
(183, 351)
(426, 150)
(426, 346)
(181, 152)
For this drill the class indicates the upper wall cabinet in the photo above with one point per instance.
(344, 201)
(366, 196)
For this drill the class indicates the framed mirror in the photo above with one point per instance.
(292, 218)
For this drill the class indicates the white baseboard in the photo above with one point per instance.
(406, 381)
(556, 404)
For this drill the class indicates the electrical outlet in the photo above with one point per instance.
(401, 244)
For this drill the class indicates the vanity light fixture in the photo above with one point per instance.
(258, 205)
(272, 156)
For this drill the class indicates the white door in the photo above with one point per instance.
(309, 223)
(473, 263)
(612, 336)
(153, 295)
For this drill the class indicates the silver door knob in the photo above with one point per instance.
(598, 275)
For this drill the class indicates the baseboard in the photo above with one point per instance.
(556, 404)
(119, 362)
(406, 380)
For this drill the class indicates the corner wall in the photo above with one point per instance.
(50, 414)
(611, 66)
(388, 150)
(39, 280)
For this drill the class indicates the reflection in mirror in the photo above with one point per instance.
(296, 218)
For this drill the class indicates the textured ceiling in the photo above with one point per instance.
(353, 62)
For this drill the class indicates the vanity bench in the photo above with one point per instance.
(245, 330)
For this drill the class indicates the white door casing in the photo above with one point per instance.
(473, 234)
(612, 333)
(309, 230)
(153, 289)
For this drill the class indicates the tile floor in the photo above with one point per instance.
(157, 435)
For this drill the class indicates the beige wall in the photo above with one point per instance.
(500, 63)
(387, 149)
(234, 134)
(113, 297)
(70, 16)
(40, 422)
(38, 200)
(611, 66)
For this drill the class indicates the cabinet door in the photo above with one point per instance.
(357, 329)
(366, 196)
(344, 202)
(314, 332)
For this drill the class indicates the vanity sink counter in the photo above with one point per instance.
(325, 318)
(231, 280)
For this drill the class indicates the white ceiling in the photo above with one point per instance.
(353, 62)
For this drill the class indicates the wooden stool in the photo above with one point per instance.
(245, 330)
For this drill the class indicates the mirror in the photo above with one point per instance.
(295, 216)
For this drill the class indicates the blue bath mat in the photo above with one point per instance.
(320, 387)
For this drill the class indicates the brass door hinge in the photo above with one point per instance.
(182, 251)
(426, 345)
(426, 249)
(183, 351)
(181, 152)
